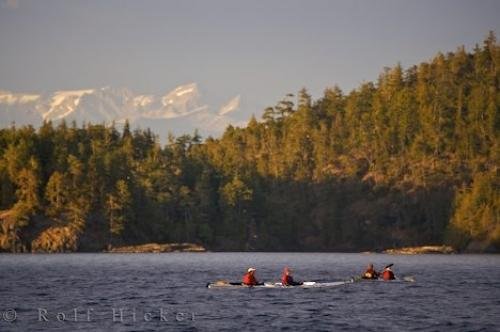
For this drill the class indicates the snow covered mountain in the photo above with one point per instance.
(19, 108)
(179, 111)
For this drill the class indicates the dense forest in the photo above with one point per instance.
(410, 159)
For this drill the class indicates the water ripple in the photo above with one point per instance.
(447, 296)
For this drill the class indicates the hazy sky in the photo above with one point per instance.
(259, 49)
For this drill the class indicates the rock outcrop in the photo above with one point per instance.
(421, 250)
(156, 248)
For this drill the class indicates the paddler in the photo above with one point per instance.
(370, 272)
(249, 277)
(387, 274)
(287, 279)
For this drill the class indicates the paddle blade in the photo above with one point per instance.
(409, 279)
(221, 282)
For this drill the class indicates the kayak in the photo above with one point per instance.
(403, 279)
(306, 284)
(309, 284)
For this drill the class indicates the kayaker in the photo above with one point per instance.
(370, 273)
(387, 274)
(287, 279)
(249, 277)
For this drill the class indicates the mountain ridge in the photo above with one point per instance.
(163, 113)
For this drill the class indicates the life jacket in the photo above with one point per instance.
(388, 275)
(370, 274)
(287, 280)
(249, 279)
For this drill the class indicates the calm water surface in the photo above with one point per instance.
(166, 292)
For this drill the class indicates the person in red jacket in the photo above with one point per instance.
(249, 278)
(370, 273)
(287, 279)
(388, 274)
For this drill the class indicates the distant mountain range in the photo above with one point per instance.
(180, 111)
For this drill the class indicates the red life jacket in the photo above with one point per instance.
(286, 280)
(388, 275)
(249, 279)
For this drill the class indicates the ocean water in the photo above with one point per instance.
(167, 292)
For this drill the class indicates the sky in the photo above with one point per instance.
(258, 49)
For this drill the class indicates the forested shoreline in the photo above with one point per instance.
(411, 159)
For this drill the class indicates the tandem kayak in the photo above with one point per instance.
(306, 284)
(403, 279)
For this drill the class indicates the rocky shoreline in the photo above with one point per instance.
(442, 249)
(158, 248)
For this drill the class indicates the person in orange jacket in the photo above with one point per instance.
(387, 274)
(370, 273)
(287, 279)
(249, 277)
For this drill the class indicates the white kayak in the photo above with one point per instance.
(309, 284)
(305, 284)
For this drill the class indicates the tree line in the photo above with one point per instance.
(409, 159)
